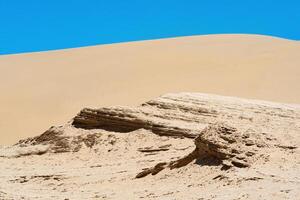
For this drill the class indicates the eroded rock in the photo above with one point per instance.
(226, 145)
(202, 117)
(62, 139)
(124, 119)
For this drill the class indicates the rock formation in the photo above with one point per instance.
(225, 144)
(229, 133)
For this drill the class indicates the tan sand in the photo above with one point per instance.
(48, 88)
(179, 146)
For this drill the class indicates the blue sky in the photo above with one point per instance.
(38, 25)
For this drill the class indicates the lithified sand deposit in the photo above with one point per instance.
(177, 146)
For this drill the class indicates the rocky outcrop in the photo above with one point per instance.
(187, 114)
(200, 143)
(221, 143)
(62, 139)
(226, 129)
(124, 119)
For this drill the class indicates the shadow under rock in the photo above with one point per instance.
(208, 161)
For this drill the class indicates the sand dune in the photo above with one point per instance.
(47, 88)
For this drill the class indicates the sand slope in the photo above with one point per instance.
(42, 89)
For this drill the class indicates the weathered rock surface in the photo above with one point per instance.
(229, 135)
(223, 144)
(123, 119)
(183, 115)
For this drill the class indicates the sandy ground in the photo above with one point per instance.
(110, 175)
(105, 167)
(42, 89)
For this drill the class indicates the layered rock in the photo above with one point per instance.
(223, 144)
(124, 119)
(226, 129)
(203, 144)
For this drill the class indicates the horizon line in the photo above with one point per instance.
(145, 40)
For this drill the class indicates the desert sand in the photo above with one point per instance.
(39, 90)
(177, 146)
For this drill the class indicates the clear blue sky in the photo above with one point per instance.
(38, 25)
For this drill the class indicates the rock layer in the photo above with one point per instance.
(109, 146)
(123, 119)
(225, 128)
(223, 144)
(225, 124)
